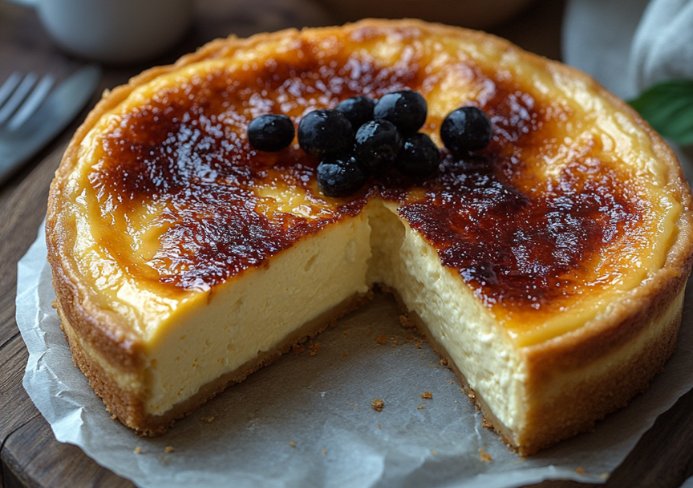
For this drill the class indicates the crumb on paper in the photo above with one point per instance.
(297, 349)
(292, 444)
(345, 354)
(314, 348)
(379, 426)
(486, 423)
(443, 361)
(346, 331)
(580, 470)
(169, 449)
(408, 336)
(604, 476)
(420, 407)
(378, 405)
(417, 345)
(209, 420)
(434, 452)
(113, 416)
(484, 456)
(381, 339)
(324, 452)
(138, 450)
(426, 395)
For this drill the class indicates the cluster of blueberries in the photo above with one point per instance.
(363, 137)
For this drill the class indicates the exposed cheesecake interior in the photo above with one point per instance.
(200, 253)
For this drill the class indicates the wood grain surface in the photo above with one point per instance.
(30, 455)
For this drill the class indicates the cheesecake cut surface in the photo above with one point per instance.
(167, 230)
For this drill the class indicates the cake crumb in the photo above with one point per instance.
(417, 345)
(298, 349)
(486, 423)
(378, 405)
(426, 395)
(314, 348)
(420, 407)
(604, 476)
(379, 426)
(324, 452)
(169, 449)
(209, 420)
(443, 361)
(580, 470)
(435, 453)
(346, 331)
(345, 354)
(113, 417)
(408, 336)
(484, 456)
(138, 450)
(292, 444)
(381, 339)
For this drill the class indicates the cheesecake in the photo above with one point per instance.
(548, 268)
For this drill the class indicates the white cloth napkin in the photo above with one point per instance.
(662, 48)
(628, 45)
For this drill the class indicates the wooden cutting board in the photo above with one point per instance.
(32, 457)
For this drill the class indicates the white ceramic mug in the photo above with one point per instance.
(114, 31)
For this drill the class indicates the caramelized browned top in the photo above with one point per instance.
(517, 236)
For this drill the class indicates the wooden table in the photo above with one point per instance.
(30, 454)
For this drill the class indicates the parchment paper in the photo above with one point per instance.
(307, 419)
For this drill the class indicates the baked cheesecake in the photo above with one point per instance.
(548, 268)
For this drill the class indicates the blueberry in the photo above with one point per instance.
(271, 132)
(339, 175)
(325, 131)
(358, 110)
(419, 156)
(466, 129)
(406, 109)
(377, 144)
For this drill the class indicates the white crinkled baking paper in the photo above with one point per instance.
(307, 419)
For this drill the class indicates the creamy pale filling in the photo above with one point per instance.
(219, 332)
(481, 349)
(259, 310)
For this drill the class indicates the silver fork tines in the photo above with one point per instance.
(21, 96)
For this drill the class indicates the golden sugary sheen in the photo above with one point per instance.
(548, 268)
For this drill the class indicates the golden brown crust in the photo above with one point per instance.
(129, 408)
(567, 390)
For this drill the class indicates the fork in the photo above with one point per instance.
(32, 112)
(21, 96)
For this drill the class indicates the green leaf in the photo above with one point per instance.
(668, 107)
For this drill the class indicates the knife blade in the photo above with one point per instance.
(60, 107)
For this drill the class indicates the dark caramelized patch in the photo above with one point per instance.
(514, 241)
(516, 249)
